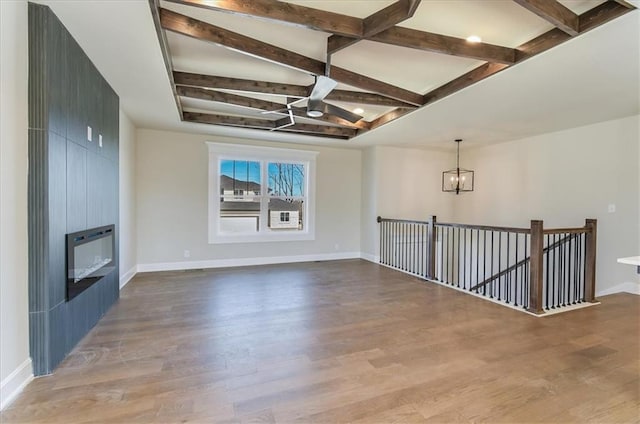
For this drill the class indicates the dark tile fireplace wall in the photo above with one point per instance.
(73, 184)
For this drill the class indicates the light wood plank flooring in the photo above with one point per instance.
(343, 341)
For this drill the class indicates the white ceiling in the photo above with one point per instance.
(592, 78)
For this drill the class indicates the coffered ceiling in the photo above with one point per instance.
(254, 64)
(589, 78)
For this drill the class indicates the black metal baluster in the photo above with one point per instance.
(464, 259)
(561, 270)
(484, 261)
(477, 259)
(458, 256)
(441, 251)
(451, 247)
(525, 293)
(499, 263)
(507, 297)
(516, 281)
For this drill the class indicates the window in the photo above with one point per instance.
(266, 194)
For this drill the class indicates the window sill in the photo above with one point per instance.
(260, 238)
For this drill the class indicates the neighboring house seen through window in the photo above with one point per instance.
(266, 194)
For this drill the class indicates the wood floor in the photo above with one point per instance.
(330, 342)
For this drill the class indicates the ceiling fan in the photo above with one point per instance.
(316, 107)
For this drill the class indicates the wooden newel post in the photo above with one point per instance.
(590, 263)
(431, 248)
(536, 270)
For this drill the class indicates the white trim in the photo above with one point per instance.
(224, 263)
(228, 151)
(15, 382)
(127, 276)
(369, 257)
(627, 287)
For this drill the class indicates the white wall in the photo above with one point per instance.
(402, 183)
(15, 364)
(563, 178)
(127, 185)
(171, 176)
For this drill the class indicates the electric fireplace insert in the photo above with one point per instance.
(89, 258)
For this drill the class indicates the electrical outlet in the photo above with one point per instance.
(89, 137)
(336, 246)
(611, 208)
(187, 254)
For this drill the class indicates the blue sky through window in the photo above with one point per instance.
(241, 170)
(284, 179)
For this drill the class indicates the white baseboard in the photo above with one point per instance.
(369, 257)
(128, 276)
(15, 382)
(628, 287)
(225, 263)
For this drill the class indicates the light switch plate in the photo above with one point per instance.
(100, 140)
(89, 133)
(611, 208)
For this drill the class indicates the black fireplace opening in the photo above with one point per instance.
(89, 258)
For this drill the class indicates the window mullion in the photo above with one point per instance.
(264, 197)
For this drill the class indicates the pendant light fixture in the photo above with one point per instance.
(459, 179)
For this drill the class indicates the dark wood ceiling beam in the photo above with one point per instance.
(388, 117)
(541, 43)
(589, 20)
(265, 124)
(315, 129)
(437, 43)
(361, 81)
(231, 121)
(154, 5)
(264, 105)
(190, 27)
(366, 99)
(288, 13)
(375, 23)
(250, 86)
(389, 16)
(222, 97)
(603, 13)
(470, 78)
(200, 30)
(553, 12)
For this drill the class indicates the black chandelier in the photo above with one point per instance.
(458, 179)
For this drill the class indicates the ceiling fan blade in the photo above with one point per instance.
(322, 87)
(341, 113)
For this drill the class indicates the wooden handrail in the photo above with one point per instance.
(582, 230)
(405, 221)
(484, 227)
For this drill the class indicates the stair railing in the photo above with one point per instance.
(532, 268)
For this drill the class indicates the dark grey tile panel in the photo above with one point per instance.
(39, 342)
(76, 188)
(38, 220)
(68, 90)
(38, 81)
(57, 74)
(57, 218)
(58, 327)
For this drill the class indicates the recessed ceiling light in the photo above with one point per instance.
(358, 110)
(474, 39)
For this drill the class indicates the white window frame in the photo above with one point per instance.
(226, 151)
